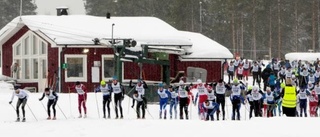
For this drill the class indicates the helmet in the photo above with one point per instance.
(282, 85)
(249, 87)
(181, 82)
(199, 81)
(160, 85)
(114, 78)
(102, 83)
(235, 81)
(255, 88)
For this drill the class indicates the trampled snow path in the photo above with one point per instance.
(129, 126)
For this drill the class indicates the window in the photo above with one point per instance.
(35, 44)
(43, 48)
(35, 68)
(18, 49)
(76, 70)
(108, 66)
(31, 56)
(44, 68)
(26, 70)
(26, 46)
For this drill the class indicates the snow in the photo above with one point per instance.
(303, 56)
(82, 29)
(205, 48)
(95, 126)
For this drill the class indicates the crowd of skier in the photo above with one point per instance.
(288, 88)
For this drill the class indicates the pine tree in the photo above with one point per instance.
(10, 9)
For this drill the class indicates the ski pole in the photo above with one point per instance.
(149, 113)
(128, 105)
(70, 102)
(32, 112)
(13, 107)
(43, 106)
(97, 104)
(62, 111)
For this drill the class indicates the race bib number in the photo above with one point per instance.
(182, 93)
(163, 95)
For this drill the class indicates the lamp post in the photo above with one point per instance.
(200, 12)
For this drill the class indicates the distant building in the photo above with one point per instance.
(81, 44)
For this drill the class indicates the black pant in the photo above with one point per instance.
(51, 102)
(235, 109)
(117, 101)
(289, 112)
(140, 105)
(221, 101)
(106, 100)
(230, 76)
(257, 108)
(251, 109)
(256, 78)
(21, 102)
(183, 106)
(209, 115)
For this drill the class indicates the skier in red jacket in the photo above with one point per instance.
(82, 97)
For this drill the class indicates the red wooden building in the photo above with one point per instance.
(35, 49)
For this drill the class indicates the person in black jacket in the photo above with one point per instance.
(52, 101)
(141, 87)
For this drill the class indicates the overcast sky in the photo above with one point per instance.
(48, 7)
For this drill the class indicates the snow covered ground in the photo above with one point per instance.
(130, 126)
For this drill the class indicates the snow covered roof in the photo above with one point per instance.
(304, 56)
(205, 48)
(82, 29)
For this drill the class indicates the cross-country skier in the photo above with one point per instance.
(271, 102)
(250, 100)
(257, 97)
(220, 91)
(211, 95)
(303, 94)
(82, 97)
(313, 104)
(140, 104)
(183, 97)
(118, 92)
(210, 107)
(173, 102)
(22, 101)
(202, 95)
(317, 90)
(52, 101)
(164, 95)
(236, 98)
(106, 97)
(141, 87)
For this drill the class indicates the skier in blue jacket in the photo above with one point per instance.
(210, 107)
(173, 102)
(164, 95)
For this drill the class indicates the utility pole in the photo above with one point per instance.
(200, 11)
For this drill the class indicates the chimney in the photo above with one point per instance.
(62, 11)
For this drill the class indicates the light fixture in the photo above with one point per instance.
(85, 51)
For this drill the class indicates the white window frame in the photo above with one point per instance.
(102, 65)
(30, 55)
(84, 66)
